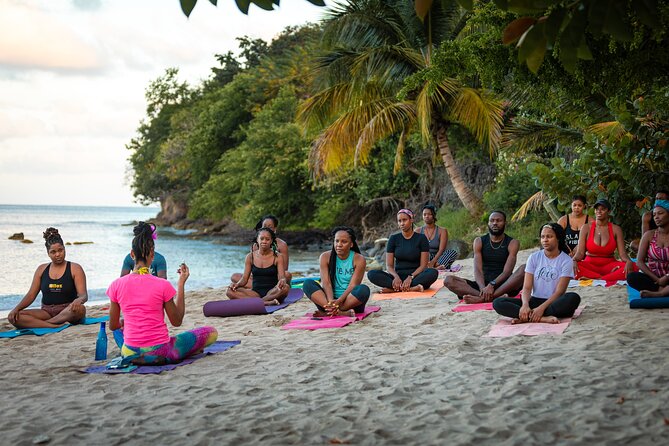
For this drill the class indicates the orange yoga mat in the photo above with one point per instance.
(436, 286)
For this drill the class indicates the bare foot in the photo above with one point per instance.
(647, 293)
(272, 302)
(418, 288)
(319, 313)
(387, 290)
(516, 321)
(471, 299)
(550, 320)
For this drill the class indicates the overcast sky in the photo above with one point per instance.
(72, 81)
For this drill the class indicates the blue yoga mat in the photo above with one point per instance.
(42, 331)
(216, 347)
(636, 301)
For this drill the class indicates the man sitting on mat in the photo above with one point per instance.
(494, 259)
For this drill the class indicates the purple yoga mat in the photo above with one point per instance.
(248, 306)
(216, 347)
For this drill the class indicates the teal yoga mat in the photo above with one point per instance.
(42, 331)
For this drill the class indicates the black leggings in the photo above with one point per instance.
(361, 292)
(640, 281)
(385, 280)
(563, 306)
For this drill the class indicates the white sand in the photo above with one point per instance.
(414, 373)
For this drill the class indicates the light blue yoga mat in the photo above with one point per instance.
(42, 331)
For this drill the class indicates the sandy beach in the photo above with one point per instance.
(414, 373)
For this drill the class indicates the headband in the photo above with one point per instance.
(662, 203)
(405, 211)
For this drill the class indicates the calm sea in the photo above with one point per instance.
(110, 229)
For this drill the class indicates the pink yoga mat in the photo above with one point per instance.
(436, 286)
(308, 323)
(503, 328)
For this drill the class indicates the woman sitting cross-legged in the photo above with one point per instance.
(407, 256)
(144, 299)
(437, 237)
(547, 275)
(342, 271)
(653, 259)
(267, 267)
(63, 287)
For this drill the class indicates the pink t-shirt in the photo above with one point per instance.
(142, 298)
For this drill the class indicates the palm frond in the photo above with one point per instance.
(531, 204)
(527, 136)
(393, 118)
(481, 114)
(388, 65)
(610, 132)
(334, 149)
(317, 111)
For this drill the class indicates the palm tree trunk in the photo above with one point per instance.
(466, 195)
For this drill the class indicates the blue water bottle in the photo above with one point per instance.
(101, 344)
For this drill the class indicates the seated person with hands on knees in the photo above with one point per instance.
(144, 299)
(407, 255)
(596, 244)
(547, 275)
(653, 261)
(63, 287)
(267, 267)
(440, 257)
(494, 258)
(342, 269)
(158, 267)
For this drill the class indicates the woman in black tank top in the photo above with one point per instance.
(63, 287)
(269, 272)
(573, 222)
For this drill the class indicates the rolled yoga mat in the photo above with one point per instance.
(235, 307)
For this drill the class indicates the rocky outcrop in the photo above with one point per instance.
(173, 210)
(17, 236)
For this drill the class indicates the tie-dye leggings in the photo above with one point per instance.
(177, 349)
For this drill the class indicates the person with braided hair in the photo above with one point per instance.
(63, 287)
(267, 267)
(547, 275)
(144, 299)
(342, 269)
(158, 266)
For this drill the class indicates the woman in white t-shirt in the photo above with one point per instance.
(547, 274)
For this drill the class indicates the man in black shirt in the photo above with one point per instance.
(494, 259)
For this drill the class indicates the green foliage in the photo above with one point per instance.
(460, 224)
(510, 191)
(187, 6)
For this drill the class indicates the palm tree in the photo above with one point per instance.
(375, 80)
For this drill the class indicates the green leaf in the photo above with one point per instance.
(467, 4)
(616, 23)
(213, 2)
(267, 5)
(187, 6)
(243, 5)
(516, 29)
(422, 8)
(553, 25)
(647, 12)
(568, 56)
(583, 51)
(597, 16)
(532, 47)
(317, 2)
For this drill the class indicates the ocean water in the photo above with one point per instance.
(110, 229)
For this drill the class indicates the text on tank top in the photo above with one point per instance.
(571, 235)
(658, 258)
(594, 249)
(58, 291)
(344, 270)
(494, 258)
